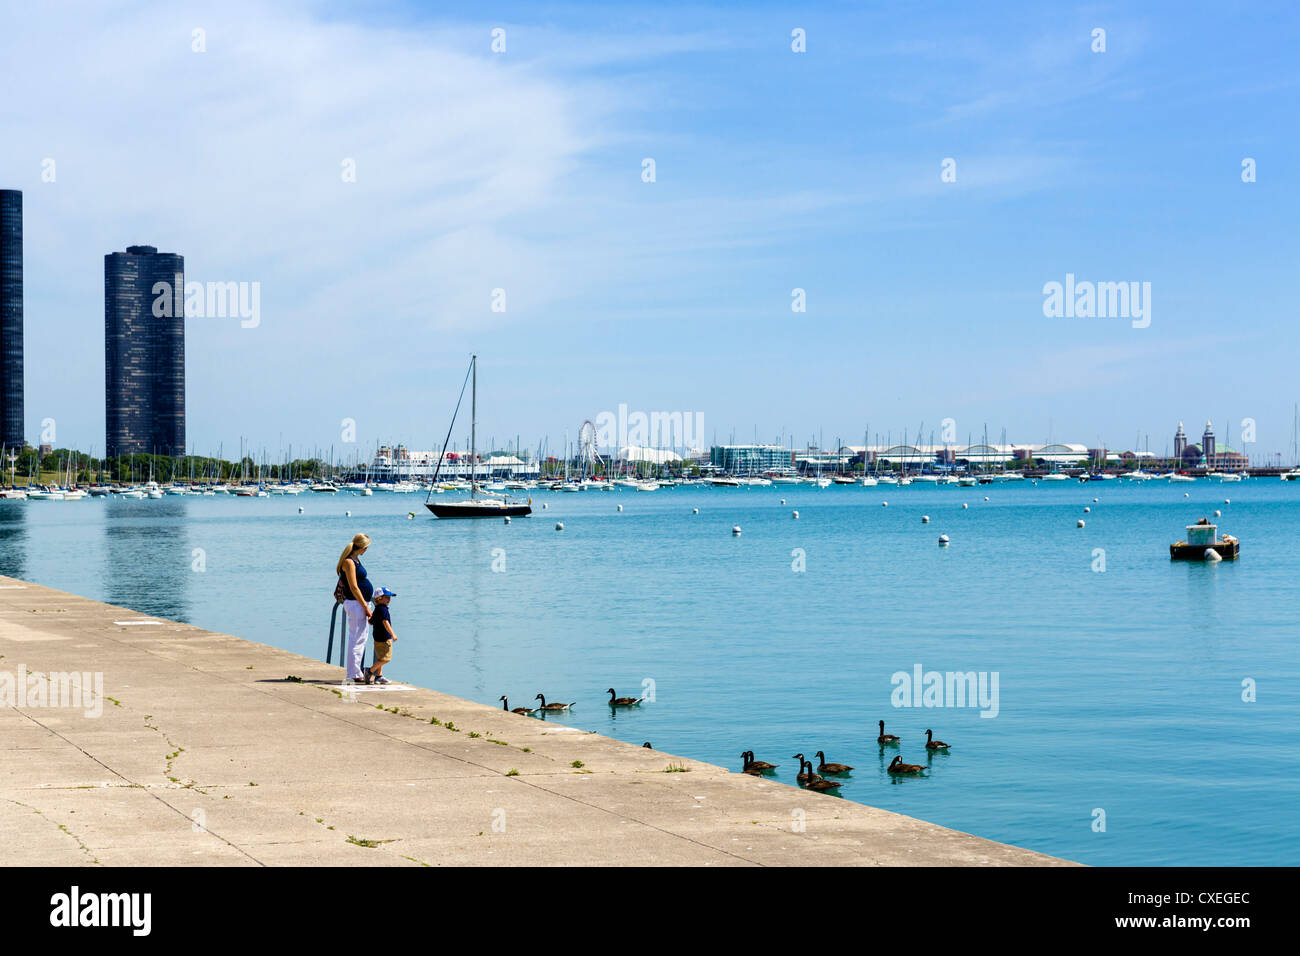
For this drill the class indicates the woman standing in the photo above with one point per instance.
(358, 590)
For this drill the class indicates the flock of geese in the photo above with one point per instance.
(815, 781)
(757, 768)
(555, 706)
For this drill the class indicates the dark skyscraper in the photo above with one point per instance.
(144, 352)
(11, 318)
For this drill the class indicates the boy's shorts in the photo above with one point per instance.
(383, 652)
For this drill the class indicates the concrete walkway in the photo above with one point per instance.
(206, 753)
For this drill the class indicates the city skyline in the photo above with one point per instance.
(523, 171)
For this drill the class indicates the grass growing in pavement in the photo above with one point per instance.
(359, 841)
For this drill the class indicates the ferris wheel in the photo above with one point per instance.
(588, 453)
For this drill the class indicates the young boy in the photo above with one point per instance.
(384, 635)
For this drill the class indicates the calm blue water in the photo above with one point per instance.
(1118, 690)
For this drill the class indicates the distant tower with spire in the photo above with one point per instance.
(1180, 442)
(1207, 443)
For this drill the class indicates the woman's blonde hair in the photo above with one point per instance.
(358, 543)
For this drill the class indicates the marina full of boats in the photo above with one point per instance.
(154, 490)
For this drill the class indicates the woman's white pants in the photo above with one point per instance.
(356, 636)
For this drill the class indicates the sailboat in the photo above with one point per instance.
(491, 506)
(868, 480)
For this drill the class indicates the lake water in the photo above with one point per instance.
(1118, 691)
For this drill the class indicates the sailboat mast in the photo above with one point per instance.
(473, 425)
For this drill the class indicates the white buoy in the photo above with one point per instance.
(794, 514)
(925, 519)
(347, 514)
(1185, 495)
(410, 516)
(986, 497)
(884, 504)
(1087, 510)
(964, 506)
(943, 541)
(695, 511)
(507, 519)
(545, 505)
(1218, 514)
(782, 501)
(1212, 556)
(620, 507)
(559, 526)
(300, 511)
(1227, 501)
(1095, 500)
(735, 529)
(1080, 524)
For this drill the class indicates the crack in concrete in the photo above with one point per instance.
(149, 790)
(94, 860)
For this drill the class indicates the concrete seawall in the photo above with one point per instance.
(205, 752)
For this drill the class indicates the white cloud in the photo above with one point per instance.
(232, 157)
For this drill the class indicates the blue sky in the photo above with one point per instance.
(775, 170)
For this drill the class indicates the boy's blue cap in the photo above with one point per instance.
(384, 592)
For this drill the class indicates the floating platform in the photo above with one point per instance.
(1203, 537)
(1227, 549)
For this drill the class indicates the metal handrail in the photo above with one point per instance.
(343, 644)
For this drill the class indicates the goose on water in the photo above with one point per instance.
(803, 776)
(755, 766)
(622, 701)
(819, 784)
(552, 707)
(505, 705)
(824, 767)
(885, 738)
(897, 766)
(932, 744)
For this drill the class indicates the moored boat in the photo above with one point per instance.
(491, 506)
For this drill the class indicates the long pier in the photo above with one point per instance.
(135, 741)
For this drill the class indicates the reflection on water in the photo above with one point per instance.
(148, 562)
(13, 538)
(477, 614)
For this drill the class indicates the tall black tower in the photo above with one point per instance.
(144, 352)
(11, 318)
